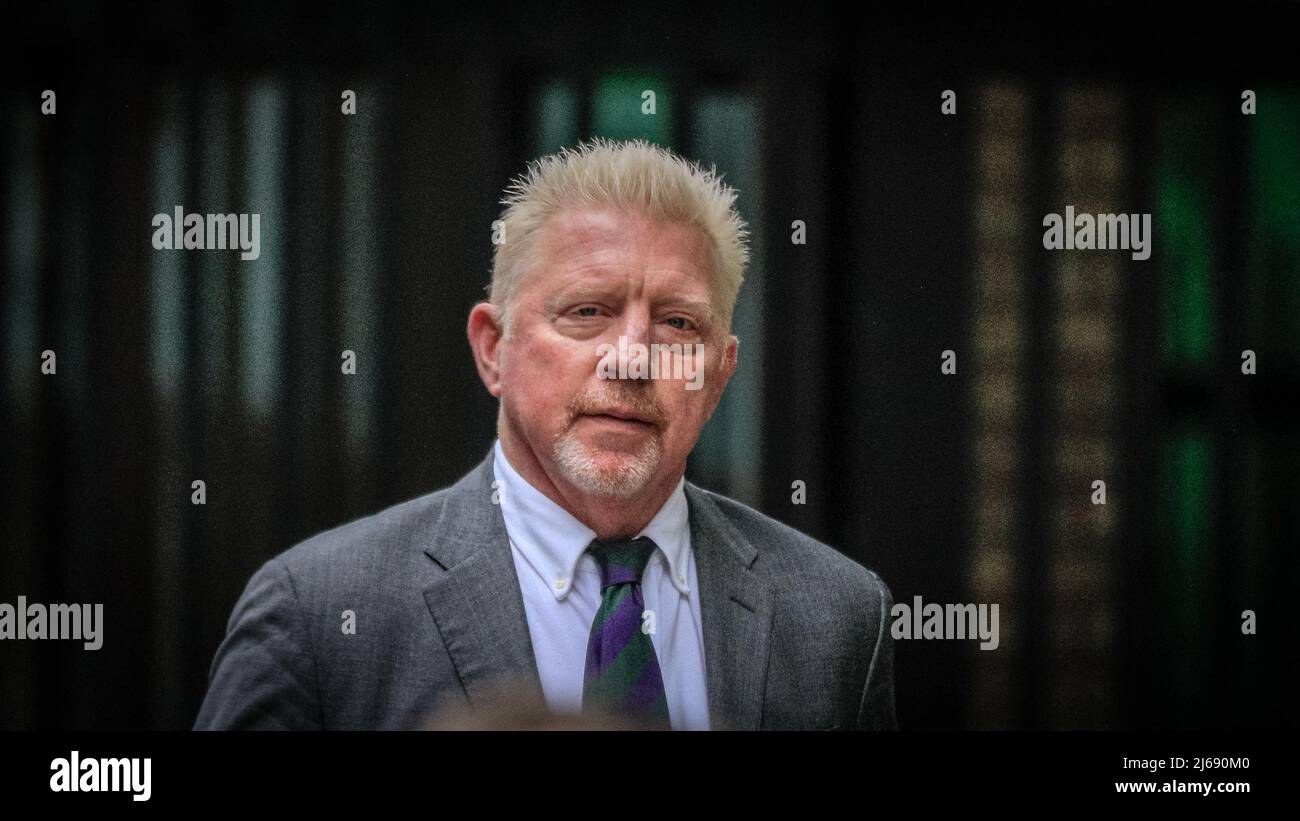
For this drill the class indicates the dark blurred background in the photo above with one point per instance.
(924, 233)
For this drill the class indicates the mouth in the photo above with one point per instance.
(621, 416)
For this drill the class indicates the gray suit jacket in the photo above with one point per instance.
(796, 635)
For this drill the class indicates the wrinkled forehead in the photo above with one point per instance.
(573, 239)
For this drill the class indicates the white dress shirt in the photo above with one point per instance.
(560, 582)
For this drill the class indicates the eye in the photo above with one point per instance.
(681, 323)
(587, 310)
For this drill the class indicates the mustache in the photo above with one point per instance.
(639, 402)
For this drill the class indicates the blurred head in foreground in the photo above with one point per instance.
(507, 711)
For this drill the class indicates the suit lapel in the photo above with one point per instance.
(478, 608)
(476, 602)
(736, 608)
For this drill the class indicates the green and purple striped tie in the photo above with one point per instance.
(622, 675)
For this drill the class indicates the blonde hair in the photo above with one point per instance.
(633, 176)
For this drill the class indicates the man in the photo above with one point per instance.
(575, 568)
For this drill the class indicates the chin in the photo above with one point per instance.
(602, 472)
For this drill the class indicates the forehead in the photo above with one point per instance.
(577, 241)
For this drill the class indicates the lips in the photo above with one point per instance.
(621, 415)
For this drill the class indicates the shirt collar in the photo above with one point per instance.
(552, 540)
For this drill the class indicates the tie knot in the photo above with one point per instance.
(621, 561)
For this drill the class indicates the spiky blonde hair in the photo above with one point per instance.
(635, 176)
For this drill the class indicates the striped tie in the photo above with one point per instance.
(622, 675)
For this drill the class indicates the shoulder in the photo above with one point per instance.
(387, 531)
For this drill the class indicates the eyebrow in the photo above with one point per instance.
(703, 308)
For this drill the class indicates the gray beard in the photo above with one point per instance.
(582, 470)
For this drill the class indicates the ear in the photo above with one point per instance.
(730, 358)
(485, 332)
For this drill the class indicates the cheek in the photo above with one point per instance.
(541, 379)
(707, 376)
(685, 408)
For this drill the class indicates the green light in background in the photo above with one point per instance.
(1272, 286)
(556, 117)
(1187, 463)
(618, 105)
(1185, 226)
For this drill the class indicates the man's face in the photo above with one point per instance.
(599, 275)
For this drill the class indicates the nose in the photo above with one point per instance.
(636, 328)
(635, 324)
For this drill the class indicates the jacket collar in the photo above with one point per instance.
(478, 608)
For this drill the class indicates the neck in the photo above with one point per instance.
(611, 517)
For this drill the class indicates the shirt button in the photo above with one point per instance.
(681, 578)
(560, 583)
